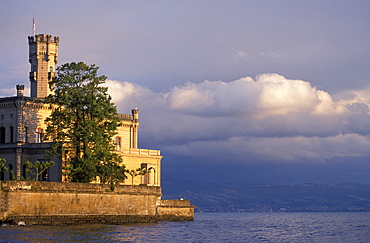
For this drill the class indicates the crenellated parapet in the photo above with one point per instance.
(43, 38)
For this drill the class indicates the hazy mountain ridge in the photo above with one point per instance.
(300, 197)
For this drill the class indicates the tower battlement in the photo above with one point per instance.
(43, 38)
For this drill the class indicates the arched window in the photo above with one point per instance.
(25, 134)
(2, 134)
(118, 143)
(45, 175)
(11, 134)
(152, 176)
(24, 171)
(11, 172)
(145, 177)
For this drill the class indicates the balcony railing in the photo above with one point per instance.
(141, 151)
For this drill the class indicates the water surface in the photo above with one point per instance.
(211, 227)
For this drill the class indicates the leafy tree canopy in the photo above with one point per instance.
(137, 172)
(83, 121)
(37, 168)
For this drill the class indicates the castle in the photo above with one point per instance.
(22, 125)
(52, 201)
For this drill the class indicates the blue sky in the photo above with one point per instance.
(274, 91)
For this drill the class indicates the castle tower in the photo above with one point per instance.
(43, 56)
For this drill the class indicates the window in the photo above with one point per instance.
(44, 176)
(2, 134)
(25, 134)
(118, 143)
(11, 172)
(11, 134)
(39, 135)
(24, 171)
(145, 177)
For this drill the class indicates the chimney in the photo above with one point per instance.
(135, 114)
(20, 90)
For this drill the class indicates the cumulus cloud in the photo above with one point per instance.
(268, 95)
(269, 117)
(128, 95)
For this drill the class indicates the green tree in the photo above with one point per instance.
(2, 165)
(112, 173)
(134, 173)
(83, 121)
(37, 168)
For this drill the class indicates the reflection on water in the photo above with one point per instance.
(211, 227)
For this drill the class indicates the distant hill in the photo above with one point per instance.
(208, 197)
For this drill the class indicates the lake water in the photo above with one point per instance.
(211, 227)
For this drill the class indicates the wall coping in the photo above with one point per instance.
(174, 203)
(42, 186)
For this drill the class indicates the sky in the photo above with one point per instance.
(272, 91)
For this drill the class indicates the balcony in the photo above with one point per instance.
(149, 152)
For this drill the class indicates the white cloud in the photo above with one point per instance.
(189, 96)
(269, 117)
(268, 95)
(128, 96)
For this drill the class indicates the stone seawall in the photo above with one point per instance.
(56, 203)
(175, 210)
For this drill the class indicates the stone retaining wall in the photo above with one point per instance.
(175, 210)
